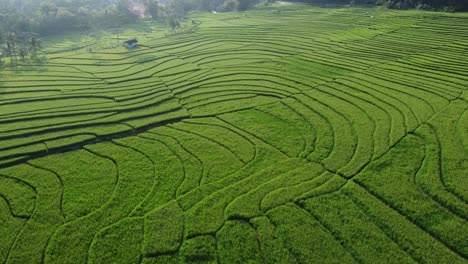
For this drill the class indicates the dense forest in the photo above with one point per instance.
(434, 5)
(56, 16)
(444, 5)
(23, 22)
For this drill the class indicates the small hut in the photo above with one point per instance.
(132, 43)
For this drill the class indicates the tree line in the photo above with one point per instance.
(24, 46)
(47, 17)
(434, 5)
(22, 22)
(443, 5)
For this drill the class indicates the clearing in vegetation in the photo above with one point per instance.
(290, 134)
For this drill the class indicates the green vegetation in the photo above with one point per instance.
(284, 134)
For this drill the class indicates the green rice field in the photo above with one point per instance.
(288, 134)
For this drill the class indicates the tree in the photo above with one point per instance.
(85, 28)
(173, 22)
(244, 5)
(230, 5)
(23, 52)
(152, 8)
(178, 8)
(10, 48)
(2, 43)
(120, 15)
(48, 8)
(119, 20)
(35, 45)
(123, 8)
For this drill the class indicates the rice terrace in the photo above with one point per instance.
(287, 133)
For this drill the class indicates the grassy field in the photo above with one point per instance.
(289, 134)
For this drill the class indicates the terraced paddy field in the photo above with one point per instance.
(286, 135)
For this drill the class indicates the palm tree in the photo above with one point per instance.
(35, 43)
(11, 46)
(23, 52)
(2, 51)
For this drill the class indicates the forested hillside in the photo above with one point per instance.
(441, 5)
(47, 17)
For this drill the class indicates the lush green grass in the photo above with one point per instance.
(287, 134)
